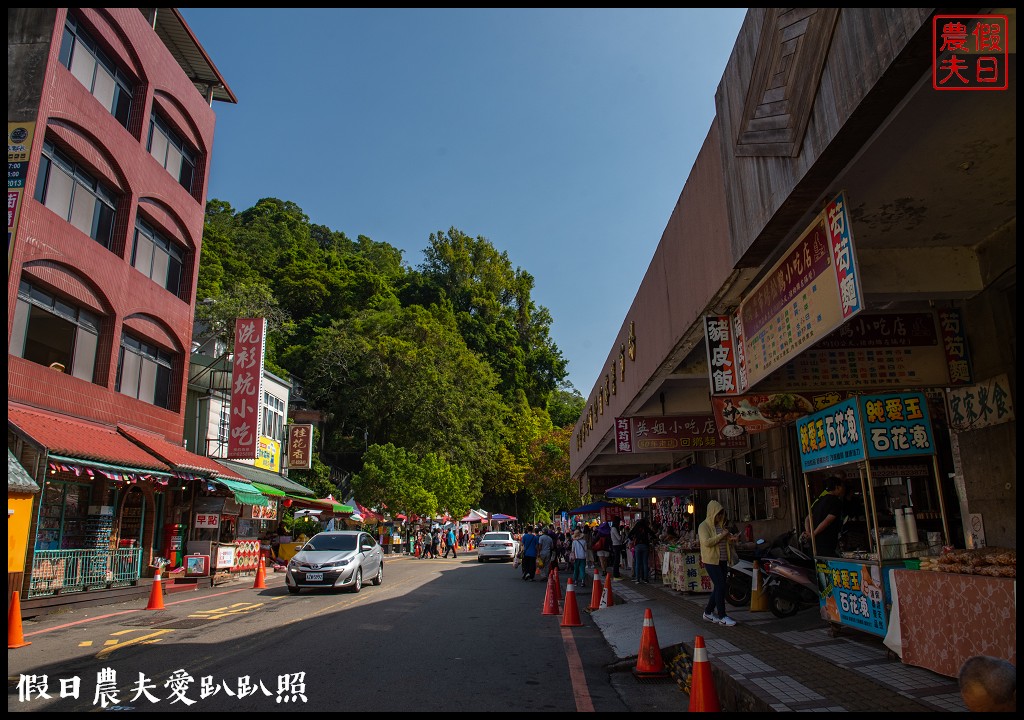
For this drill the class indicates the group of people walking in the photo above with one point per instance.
(439, 543)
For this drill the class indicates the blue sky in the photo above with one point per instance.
(562, 136)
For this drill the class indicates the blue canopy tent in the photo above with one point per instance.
(592, 508)
(682, 481)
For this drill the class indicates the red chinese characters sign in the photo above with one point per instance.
(667, 434)
(300, 447)
(970, 52)
(246, 388)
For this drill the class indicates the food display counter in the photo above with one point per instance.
(681, 569)
(877, 436)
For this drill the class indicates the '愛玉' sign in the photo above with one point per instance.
(879, 425)
(246, 388)
(813, 289)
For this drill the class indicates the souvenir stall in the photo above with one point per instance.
(878, 438)
(672, 494)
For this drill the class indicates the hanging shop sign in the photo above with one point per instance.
(954, 342)
(873, 426)
(268, 454)
(247, 388)
(300, 447)
(207, 521)
(812, 290)
(261, 512)
(19, 148)
(674, 433)
(981, 405)
(870, 352)
(757, 412)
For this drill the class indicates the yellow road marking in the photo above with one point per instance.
(87, 643)
(103, 654)
(111, 642)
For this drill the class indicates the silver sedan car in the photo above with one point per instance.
(499, 544)
(342, 559)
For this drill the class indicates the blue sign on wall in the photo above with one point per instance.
(831, 437)
(896, 425)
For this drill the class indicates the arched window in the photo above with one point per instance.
(82, 55)
(53, 332)
(68, 190)
(144, 371)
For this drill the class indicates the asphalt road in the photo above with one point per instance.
(438, 635)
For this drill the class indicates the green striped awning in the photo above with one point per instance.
(245, 493)
(267, 490)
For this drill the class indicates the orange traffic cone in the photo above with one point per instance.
(15, 639)
(702, 688)
(571, 615)
(551, 597)
(156, 594)
(648, 661)
(607, 600)
(595, 592)
(261, 576)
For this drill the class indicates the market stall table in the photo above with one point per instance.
(945, 618)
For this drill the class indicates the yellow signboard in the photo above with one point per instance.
(268, 454)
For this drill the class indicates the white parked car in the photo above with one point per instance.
(499, 544)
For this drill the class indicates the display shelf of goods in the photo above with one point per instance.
(990, 561)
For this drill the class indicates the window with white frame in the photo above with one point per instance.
(157, 258)
(273, 417)
(80, 54)
(52, 332)
(71, 192)
(144, 371)
(172, 152)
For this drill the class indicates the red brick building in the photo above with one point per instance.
(110, 135)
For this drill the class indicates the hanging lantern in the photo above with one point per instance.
(287, 502)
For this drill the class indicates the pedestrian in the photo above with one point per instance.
(577, 560)
(545, 550)
(717, 553)
(529, 554)
(588, 537)
(451, 546)
(617, 537)
(824, 521)
(640, 535)
(988, 684)
(435, 544)
(602, 546)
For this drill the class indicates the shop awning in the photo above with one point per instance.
(244, 492)
(178, 457)
(315, 504)
(18, 479)
(269, 491)
(681, 481)
(265, 477)
(591, 509)
(81, 441)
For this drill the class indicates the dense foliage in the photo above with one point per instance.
(441, 386)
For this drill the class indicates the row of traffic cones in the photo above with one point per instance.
(650, 665)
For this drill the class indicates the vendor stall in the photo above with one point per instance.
(214, 531)
(877, 436)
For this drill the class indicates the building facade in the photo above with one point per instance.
(110, 137)
(821, 108)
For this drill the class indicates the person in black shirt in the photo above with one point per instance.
(826, 519)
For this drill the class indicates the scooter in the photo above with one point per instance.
(740, 576)
(791, 583)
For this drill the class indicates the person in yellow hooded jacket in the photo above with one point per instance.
(717, 553)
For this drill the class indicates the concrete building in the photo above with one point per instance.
(110, 140)
(819, 106)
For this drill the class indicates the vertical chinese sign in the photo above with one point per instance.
(970, 52)
(300, 447)
(19, 148)
(246, 388)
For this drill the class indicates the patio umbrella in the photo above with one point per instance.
(502, 517)
(594, 507)
(680, 481)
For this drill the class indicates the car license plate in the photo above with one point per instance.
(313, 577)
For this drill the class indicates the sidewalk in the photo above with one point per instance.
(782, 665)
